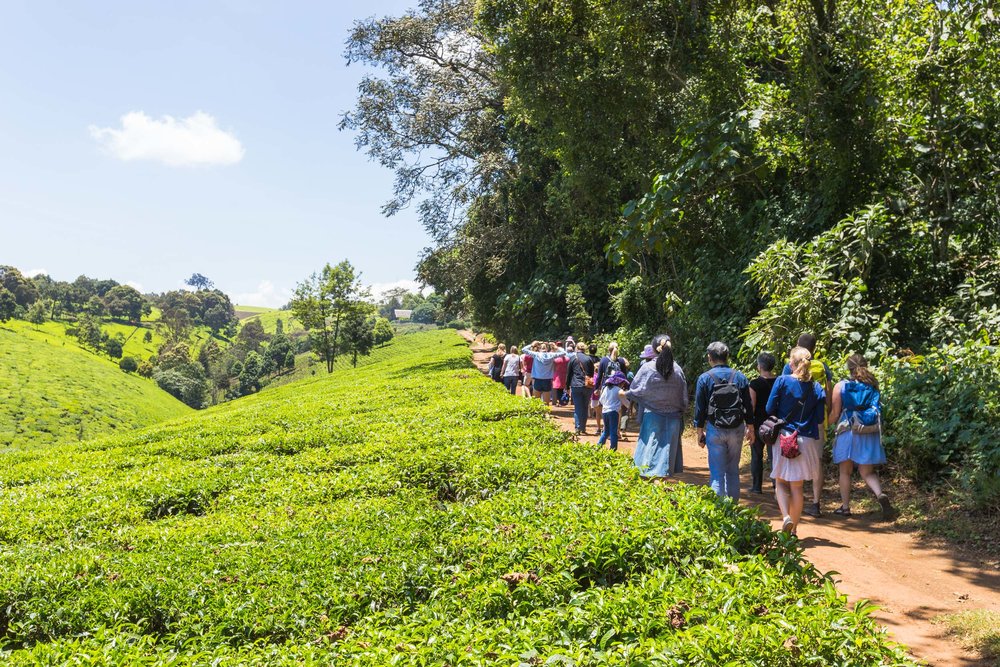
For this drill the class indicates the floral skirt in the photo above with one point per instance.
(658, 447)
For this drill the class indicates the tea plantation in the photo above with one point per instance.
(51, 391)
(404, 512)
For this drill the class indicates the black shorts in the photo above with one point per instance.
(540, 385)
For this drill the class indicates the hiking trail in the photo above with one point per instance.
(911, 578)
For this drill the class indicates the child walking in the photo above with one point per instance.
(612, 400)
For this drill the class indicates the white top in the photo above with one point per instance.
(612, 398)
(511, 365)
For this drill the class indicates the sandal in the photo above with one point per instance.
(842, 511)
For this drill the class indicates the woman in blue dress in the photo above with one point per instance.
(856, 410)
(660, 388)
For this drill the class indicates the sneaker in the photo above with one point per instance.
(887, 511)
(812, 509)
(787, 525)
(624, 423)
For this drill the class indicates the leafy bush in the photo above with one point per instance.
(457, 324)
(943, 419)
(310, 525)
(185, 387)
(129, 364)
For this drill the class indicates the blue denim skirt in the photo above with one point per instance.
(658, 448)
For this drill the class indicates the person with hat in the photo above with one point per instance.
(612, 399)
(660, 387)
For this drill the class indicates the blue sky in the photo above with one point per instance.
(256, 192)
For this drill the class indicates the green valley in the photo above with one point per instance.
(407, 511)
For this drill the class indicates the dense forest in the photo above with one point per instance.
(718, 170)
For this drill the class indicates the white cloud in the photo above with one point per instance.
(192, 141)
(134, 285)
(378, 289)
(36, 272)
(266, 295)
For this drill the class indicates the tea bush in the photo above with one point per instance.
(404, 512)
(943, 419)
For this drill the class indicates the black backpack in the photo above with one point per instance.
(725, 405)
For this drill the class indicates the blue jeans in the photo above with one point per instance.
(610, 430)
(510, 381)
(724, 448)
(581, 405)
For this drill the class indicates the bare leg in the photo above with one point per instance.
(818, 473)
(846, 469)
(871, 479)
(797, 501)
(782, 495)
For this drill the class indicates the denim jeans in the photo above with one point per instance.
(610, 430)
(724, 448)
(581, 405)
(510, 381)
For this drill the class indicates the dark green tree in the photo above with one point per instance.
(324, 301)
(358, 335)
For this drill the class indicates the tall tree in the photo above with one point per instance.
(324, 301)
(358, 334)
(199, 282)
(125, 302)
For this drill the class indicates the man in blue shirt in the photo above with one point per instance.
(723, 417)
(820, 373)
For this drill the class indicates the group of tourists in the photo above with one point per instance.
(783, 418)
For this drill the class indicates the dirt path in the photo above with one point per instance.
(911, 579)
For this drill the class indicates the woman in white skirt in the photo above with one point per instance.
(801, 402)
(857, 412)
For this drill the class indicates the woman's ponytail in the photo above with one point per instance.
(664, 355)
(800, 359)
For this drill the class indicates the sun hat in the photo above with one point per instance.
(616, 378)
(647, 352)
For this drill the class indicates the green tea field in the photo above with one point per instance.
(52, 391)
(406, 512)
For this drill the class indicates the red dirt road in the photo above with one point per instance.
(910, 578)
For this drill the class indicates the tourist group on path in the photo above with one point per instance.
(783, 418)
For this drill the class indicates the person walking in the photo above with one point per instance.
(857, 410)
(560, 369)
(662, 390)
(820, 372)
(760, 391)
(612, 401)
(495, 369)
(595, 404)
(526, 363)
(646, 356)
(542, 369)
(580, 379)
(511, 366)
(723, 417)
(800, 401)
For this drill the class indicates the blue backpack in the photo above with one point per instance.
(862, 408)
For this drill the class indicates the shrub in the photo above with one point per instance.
(128, 364)
(457, 324)
(942, 419)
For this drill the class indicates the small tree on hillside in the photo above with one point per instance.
(36, 313)
(324, 301)
(124, 302)
(358, 335)
(383, 331)
(8, 305)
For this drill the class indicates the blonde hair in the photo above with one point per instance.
(858, 366)
(513, 349)
(502, 349)
(613, 350)
(800, 360)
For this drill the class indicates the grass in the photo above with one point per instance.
(243, 312)
(52, 391)
(978, 630)
(416, 515)
(269, 320)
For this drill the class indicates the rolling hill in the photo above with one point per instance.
(52, 391)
